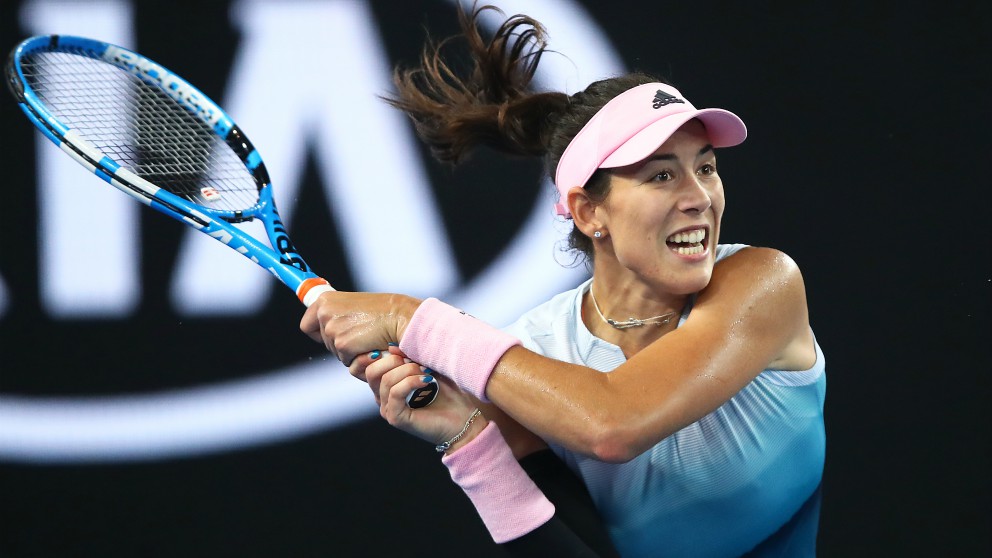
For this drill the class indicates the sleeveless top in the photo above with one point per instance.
(744, 479)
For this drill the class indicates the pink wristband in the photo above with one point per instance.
(460, 346)
(508, 501)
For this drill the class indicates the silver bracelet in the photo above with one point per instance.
(443, 446)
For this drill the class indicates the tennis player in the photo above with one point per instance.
(682, 383)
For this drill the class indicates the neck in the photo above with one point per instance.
(621, 301)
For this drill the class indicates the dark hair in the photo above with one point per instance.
(494, 106)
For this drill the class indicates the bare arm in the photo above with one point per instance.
(752, 314)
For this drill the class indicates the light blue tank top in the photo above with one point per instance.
(735, 480)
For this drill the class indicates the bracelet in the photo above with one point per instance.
(443, 446)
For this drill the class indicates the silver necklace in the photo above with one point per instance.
(632, 321)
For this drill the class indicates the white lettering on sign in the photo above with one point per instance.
(88, 241)
(311, 396)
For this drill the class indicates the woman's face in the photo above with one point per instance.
(663, 213)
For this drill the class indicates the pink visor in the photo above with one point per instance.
(632, 126)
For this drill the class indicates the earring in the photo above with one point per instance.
(598, 234)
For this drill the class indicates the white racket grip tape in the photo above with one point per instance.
(506, 498)
(311, 289)
(460, 346)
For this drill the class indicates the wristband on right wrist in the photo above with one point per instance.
(455, 344)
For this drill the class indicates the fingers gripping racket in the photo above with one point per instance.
(155, 137)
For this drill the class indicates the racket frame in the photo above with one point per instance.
(281, 258)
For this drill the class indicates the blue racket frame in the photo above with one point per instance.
(282, 259)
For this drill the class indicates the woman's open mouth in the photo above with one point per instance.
(689, 242)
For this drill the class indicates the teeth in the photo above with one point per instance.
(690, 250)
(691, 237)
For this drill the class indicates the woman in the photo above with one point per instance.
(705, 437)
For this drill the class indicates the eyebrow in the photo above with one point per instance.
(671, 156)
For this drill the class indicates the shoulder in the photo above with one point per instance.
(543, 314)
(760, 292)
(755, 285)
(549, 321)
(756, 263)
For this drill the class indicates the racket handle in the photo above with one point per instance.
(424, 396)
(311, 289)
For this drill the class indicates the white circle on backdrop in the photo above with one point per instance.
(319, 394)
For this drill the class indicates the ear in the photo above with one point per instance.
(583, 210)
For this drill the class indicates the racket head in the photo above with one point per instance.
(145, 130)
(142, 117)
(153, 135)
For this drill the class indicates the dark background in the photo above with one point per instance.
(866, 161)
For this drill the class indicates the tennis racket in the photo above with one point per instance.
(152, 135)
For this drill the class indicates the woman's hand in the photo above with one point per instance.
(392, 377)
(349, 324)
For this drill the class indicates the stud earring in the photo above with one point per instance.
(598, 234)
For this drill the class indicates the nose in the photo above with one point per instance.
(695, 197)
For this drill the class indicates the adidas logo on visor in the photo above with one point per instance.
(661, 99)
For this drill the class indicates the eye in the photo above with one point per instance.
(707, 169)
(662, 176)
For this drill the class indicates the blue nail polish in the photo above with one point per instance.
(374, 355)
(427, 379)
(391, 344)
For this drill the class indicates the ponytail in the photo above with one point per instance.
(493, 105)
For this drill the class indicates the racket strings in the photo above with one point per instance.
(141, 128)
